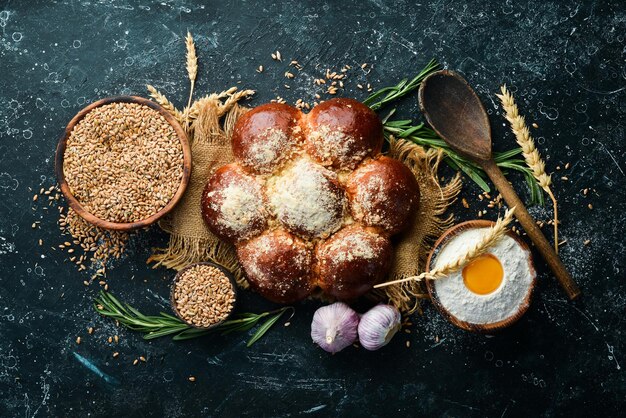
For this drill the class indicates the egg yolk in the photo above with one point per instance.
(483, 275)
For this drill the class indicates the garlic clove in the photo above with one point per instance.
(334, 327)
(378, 326)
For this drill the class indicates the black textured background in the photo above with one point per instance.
(563, 59)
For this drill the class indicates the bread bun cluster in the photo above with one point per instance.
(310, 201)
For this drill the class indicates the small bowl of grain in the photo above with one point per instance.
(203, 295)
(123, 162)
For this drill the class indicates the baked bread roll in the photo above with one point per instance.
(278, 265)
(383, 193)
(233, 204)
(310, 202)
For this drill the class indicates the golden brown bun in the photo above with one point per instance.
(233, 204)
(277, 265)
(383, 193)
(342, 132)
(265, 137)
(351, 261)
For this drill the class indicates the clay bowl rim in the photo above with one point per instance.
(77, 206)
(468, 326)
(226, 272)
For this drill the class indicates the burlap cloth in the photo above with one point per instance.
(191, 241)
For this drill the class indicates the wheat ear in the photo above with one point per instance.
(233, 98)
(531, 155)
(192, 64)
(493, 235)
(165, 103)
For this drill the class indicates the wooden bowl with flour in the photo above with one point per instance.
(494, 306)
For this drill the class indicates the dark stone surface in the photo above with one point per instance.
(565, 63)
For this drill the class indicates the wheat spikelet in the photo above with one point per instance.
(234, 98)
(530, 152)
(192, 64)
(493, 235)
(165, 103)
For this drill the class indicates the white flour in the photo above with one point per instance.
(497, 306)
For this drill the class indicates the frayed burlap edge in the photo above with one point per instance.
(190, 240)
(429, 223)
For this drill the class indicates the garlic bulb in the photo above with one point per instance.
(378, 326)
(334, 327)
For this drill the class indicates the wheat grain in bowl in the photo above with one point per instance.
(123, 162)
(203, 295)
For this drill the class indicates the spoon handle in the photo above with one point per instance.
(531, 228)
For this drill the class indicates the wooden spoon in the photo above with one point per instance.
(455, 112)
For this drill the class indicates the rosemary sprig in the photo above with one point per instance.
(155, 326)
(387, 95)
(426, 137)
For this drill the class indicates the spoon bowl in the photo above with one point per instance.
(455, 112)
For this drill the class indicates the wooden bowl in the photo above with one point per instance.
(481, 328)
(224, 270)
(76, 205)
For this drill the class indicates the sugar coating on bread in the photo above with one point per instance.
(307, 199)
(266, 137)
(342, 132)
(351, 261)
(233, 204)
(383, 192)
(323, 201)
(268, 153)
(335, 148)
(277, 265)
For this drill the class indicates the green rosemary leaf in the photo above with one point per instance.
(239, 328)
(503, 156)
(472, 174)
(387, 95)
(135, 312)
(247, 315)
(191, 333)
(372, 97)
(165, 331)
(168, 316)
(398, 123)
(111, 301)
(264, 328)
(410, 131)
